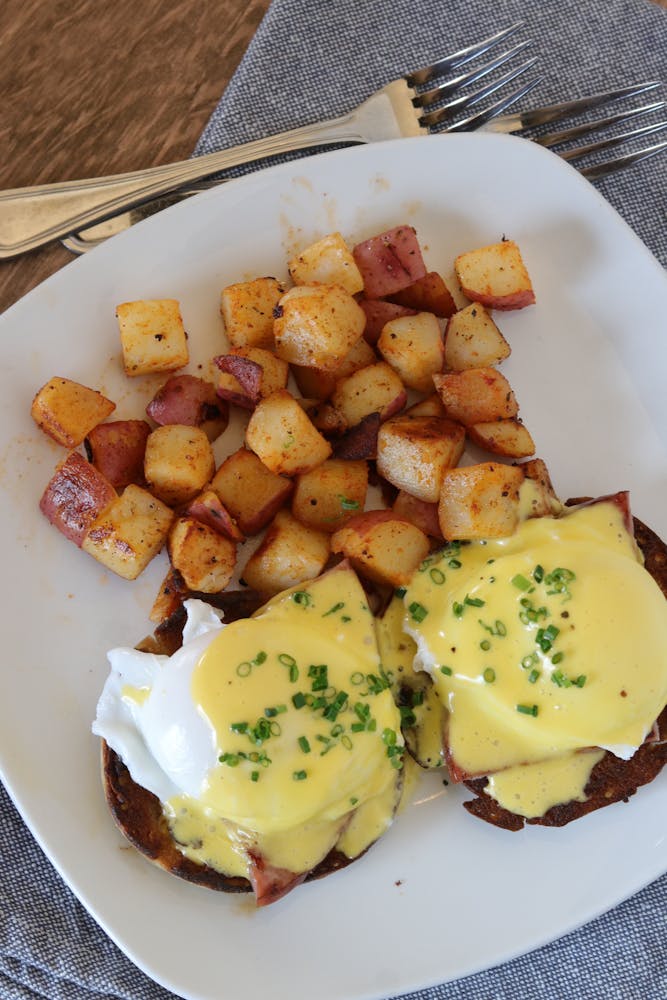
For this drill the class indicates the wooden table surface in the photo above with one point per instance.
(95, 88)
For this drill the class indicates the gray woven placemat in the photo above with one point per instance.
(332, 55)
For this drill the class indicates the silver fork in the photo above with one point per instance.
(33, 216)
(524, 123)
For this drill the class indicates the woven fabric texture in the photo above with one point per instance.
(311, 60)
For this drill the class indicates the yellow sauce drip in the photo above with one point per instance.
(531, 789)
(477, 610)
(135, 694)
(291, 793)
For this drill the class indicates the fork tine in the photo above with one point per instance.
(553, 112)
(554, 138)
(621, 162)
(477, 121)
(450, 62)
(431, 118)
(426, 97)
(609, 143)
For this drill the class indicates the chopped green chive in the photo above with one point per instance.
(474, 602)
(489, 675)
(299, 699)
(437, 576)
(447, 671)
(558, 657)
(346, 741)
(533, 676)
(521, 582)
(334, 609)
(274, 710)
(304, 744)
(239, 727)
(401, 591)
(348, 504)
(299, 775)
(417, 611)
(454, 564)
(244, 669)
(580, 681)
(538, 574)
(302, 597)
(457, 609)
(485, 645)
(527, 710)
(254, 775)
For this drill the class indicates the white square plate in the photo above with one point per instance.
(587, 367)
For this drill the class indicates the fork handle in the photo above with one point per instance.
(33, 216)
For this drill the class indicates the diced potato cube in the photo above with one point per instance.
(248, 374)
(378, 312)
(476, 395)
(316, 384)
(427, 294)
(251, 493)
(76, 495)
(324, 416)
(317, 326)
(247, 310)
(496, 276)
(480, 501)
(67, 410)
(374, 389)
(331, 494)
(414, 452)
(418, 512)
(382, 546)
(538, 494)
(178, 462)
(289, 554)
(187, 399)
(390, 261)
(282, 436)
(472, 340)
(152, 336)
(117, 450)
(503, 437)
(204, 558)
(413, 346)
(129, 533)
(327, 262)
(209, 509)
(431, 406)
(361, 441)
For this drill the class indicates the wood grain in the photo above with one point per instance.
(96, 88)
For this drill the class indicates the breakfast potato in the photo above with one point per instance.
(204, 557)
(251, 493)
(327, 262)
(496, 276)
(117, 450)
(414, 452)
(543, 501)
(178, 462)
(209, 509)
(360, 441)
(427, 294)
(248, 374)
(316, 384)
(290, 553)
(75, 496)
(480, 501)
(503, 437)
(472, 340)
(331, 494)
(430, 406)
(192, 401)
(374, 389)
(317, 326)
(422, 514)
(152, 336)
(169, 598)
(247, 311)
(389, 262)
(282, 436)
(476, 395)
(67, 410)
(413, 346)
(129, 533)
(325, 417)
(382, 546)
(378, 312)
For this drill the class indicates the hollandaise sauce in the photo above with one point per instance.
(544, 643)
(307, 736)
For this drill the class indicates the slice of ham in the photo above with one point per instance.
(270, 883)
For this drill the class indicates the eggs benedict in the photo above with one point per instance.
(263, 751)
(547, 651)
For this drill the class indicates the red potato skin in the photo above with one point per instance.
(75, 496)
(378, 313)
(427, 294)
(361, 441)
(186, 399)
(422, 514)
(249, 376)
(389, 262)
(209, 510)
(117, 450)
(518, 300)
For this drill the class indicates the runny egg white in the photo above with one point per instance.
(275, 736)
(541, 646)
